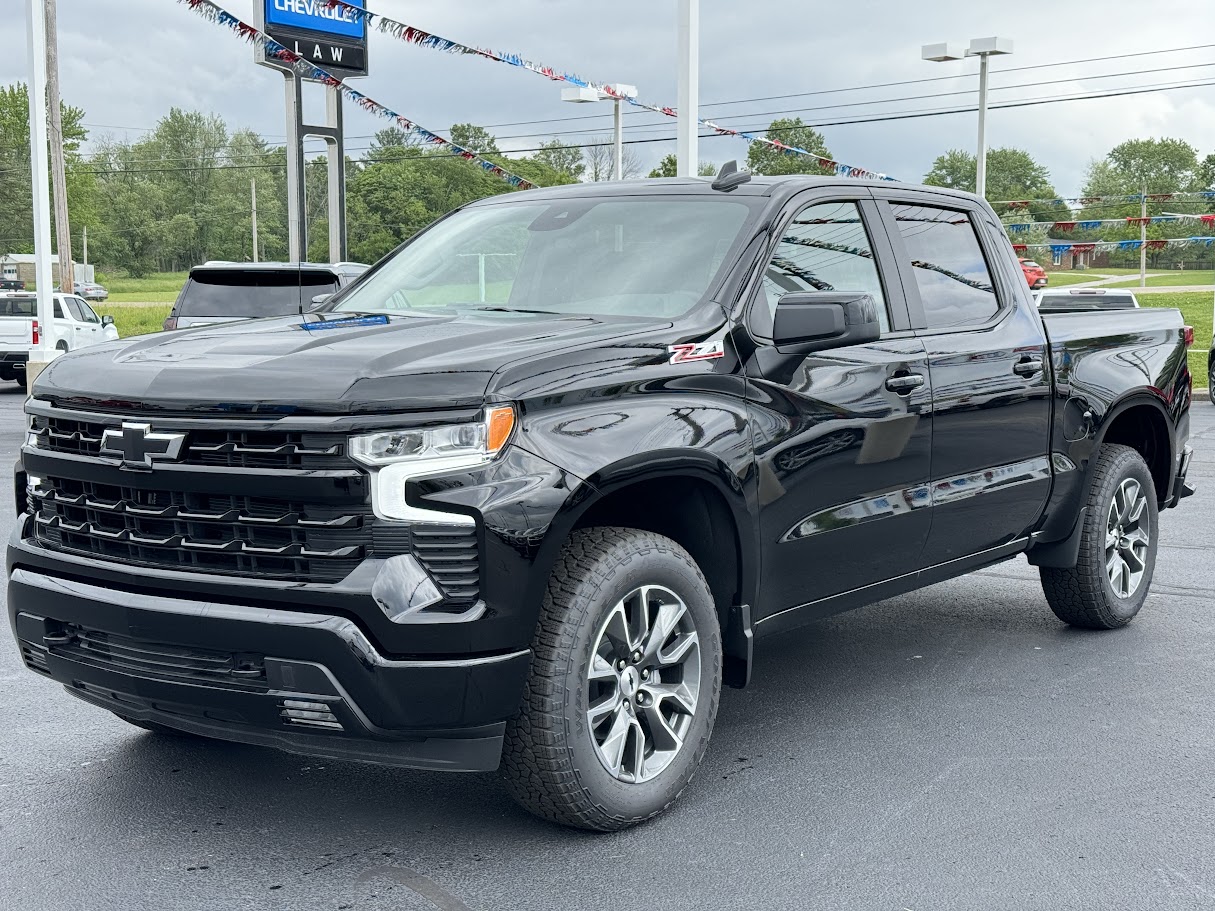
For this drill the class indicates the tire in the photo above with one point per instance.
(558, 762)
(154, 727)
(20, 378)
(1122, 498)
(61, 347)
(1211, 383)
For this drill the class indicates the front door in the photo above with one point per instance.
(988, 362)
(842, 437)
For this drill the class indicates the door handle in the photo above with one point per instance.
(904, 383)
(1028, 367)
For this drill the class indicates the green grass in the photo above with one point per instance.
(1172, 279)
(1075, 277)
(1195, 307)
(156, 281)
(137, 320)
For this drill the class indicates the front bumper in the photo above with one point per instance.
(307, 683)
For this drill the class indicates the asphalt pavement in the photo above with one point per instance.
(957, 748)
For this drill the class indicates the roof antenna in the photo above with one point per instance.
(730, 177)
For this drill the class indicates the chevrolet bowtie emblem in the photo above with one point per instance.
(138, 446)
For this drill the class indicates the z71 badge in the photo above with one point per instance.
(700, 351)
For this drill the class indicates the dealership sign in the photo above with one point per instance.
(334, 38)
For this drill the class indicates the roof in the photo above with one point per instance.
(282, 267)
(24, 258)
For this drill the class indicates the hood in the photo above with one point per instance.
(317, 363)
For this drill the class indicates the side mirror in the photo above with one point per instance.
(319, 299)
(808, 321)
(107, 321)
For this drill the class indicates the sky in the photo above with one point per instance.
(127, 62)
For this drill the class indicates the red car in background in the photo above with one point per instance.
(1035, 275)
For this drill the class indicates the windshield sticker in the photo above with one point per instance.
(702, 351)
(381, 320)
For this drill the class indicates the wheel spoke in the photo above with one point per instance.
(661, 732)
(601, 669)
(1135, 512)
(665, 623)
(612, 748)
(601, 709)
(678, 693)
(617, 630)
(1134, 562)
(679, 650)
(636, 755)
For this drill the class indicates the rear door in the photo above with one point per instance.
(989, 367)
(842, 437)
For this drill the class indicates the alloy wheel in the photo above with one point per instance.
(643, 683)
(1127, 538)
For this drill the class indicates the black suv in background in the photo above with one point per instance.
(218, 292)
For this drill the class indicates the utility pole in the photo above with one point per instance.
(1143, 238)
(63, 234)
(253, 195)
(688, 125)
(981, 159)
(36, 40)
(85, 244)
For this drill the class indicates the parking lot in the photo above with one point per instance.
(957, 748)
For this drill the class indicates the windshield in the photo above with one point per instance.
(648, 257)
(250, 293)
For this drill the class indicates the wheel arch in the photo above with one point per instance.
(1142, 422)
(690, 497)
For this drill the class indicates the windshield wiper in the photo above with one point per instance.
(500, 309)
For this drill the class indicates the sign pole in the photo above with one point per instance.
(297, 226)
(336, 147)
(688, 124)
(40, 166)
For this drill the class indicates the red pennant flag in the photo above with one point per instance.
(1156, 244)
(1160, 197)
(1207, 219)
(1020, 248)
(1065, 226)
(1083, 248)
(1137, 220)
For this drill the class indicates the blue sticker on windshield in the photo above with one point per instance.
(380, 320)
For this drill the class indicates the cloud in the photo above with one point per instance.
(127, 64)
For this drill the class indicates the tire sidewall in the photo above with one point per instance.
(1128, 465)
(648, 567)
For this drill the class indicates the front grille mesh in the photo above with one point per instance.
(235, 535)
(250, 536)
(222, 448)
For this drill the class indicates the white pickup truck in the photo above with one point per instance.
(75, 325)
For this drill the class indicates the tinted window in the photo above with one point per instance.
(89, 315)
(249, 293)
(955, 287)
(58, 310)
(824, 248)
(628, 257)
(74, 308)
(19, 306)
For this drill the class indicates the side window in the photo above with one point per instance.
(955, 285)
(87, 312)
(824, 248)
(58, 310)
(73, 306)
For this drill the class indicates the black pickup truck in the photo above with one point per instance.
(526, 493)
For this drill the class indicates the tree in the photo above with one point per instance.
(1012, 174)
(566, 159)
(769, 160)
(1206, 173)
(474, 138)
(16, 199)
(600, 158)
(669, 167)
(1162, 165)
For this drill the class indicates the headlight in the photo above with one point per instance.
(396, 456)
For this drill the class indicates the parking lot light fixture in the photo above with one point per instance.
(983, 48)
(619, 94)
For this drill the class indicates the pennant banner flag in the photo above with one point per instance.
(1094, 200)
(417, 134)
(413, 35)
(1090, 246)
(1022, 226)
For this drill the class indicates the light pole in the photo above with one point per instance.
(619, 93)
(40, 166)
(981, 48)
(688, 125)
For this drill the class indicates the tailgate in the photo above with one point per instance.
(15, 332)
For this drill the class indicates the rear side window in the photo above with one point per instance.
(956, 288)
(249, 294)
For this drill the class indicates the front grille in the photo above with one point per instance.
(176, 663)
(34, 657)
(233, 535)
(223, 448)
(450, 556)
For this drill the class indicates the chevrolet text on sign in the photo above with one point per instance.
(315, 16)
